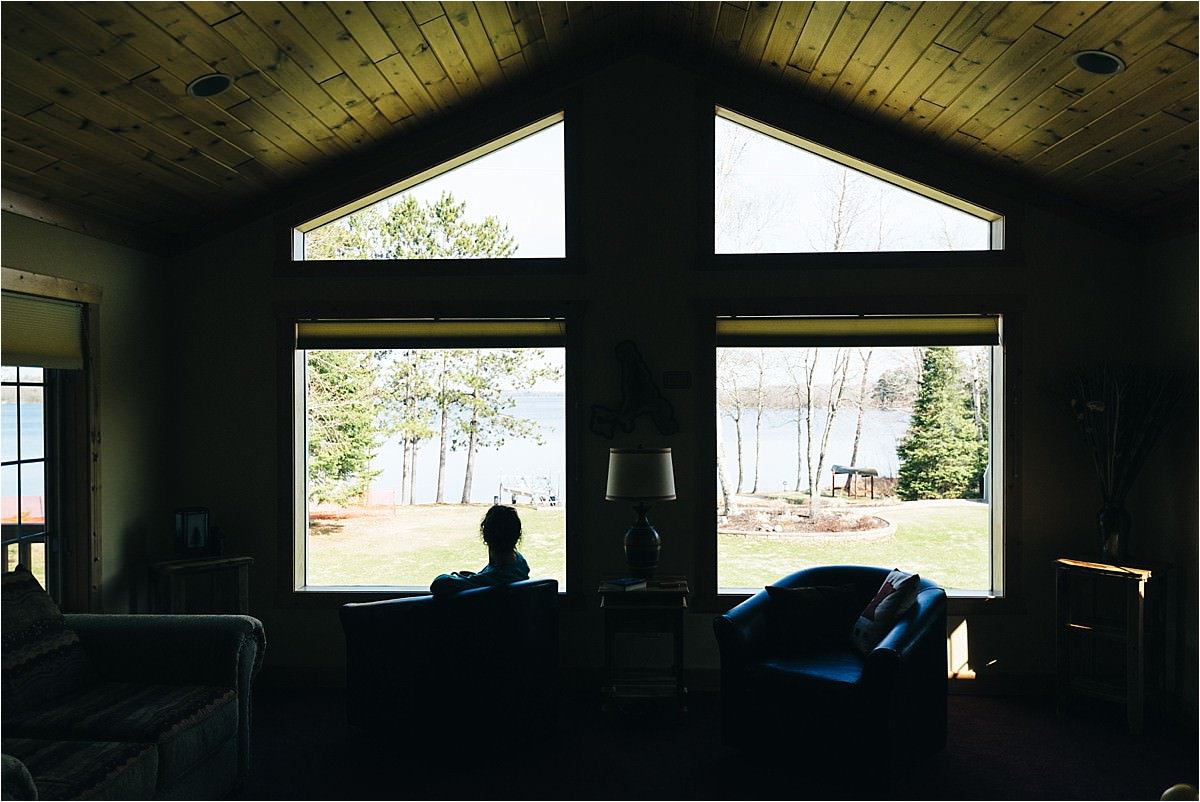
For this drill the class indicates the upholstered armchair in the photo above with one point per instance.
(792, 676)
(441, 665)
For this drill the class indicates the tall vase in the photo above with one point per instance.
(1114, 523)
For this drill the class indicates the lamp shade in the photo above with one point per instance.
(640, 474)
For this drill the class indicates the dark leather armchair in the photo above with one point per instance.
(442, 664)
(789, 680)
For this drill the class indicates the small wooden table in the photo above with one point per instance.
(201, 585)
(1110, 636)
(657, 608)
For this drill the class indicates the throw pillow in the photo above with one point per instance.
(800, 618)
(892, 600)
(43, 657)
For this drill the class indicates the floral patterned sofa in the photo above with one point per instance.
(123, 706)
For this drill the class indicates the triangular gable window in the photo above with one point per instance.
(778, 193)
(504, 199)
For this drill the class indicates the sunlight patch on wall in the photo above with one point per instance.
(958, 657)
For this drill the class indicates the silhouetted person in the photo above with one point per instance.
(500, 530)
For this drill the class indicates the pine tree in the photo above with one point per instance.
(941, 454)
(344, 407)
(348, 415)
(408, 229)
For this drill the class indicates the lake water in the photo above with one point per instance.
(518, 458)
(881, 433)
(882, 430)
(31, 440)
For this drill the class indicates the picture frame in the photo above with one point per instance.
(191, 531)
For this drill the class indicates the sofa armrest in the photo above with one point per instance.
(926, 619)
(224, 650)
(743, 631)
(221, 650)
(909, 666)
(18, 782)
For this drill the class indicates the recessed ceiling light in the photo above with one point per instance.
(1097, 62)
(210, 85)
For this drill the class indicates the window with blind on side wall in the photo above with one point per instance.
(47, 397)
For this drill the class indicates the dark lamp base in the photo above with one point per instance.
(642, 546)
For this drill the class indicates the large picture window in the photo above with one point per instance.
(868, 440)
(410, 429)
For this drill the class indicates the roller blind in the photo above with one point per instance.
(41, 332)
(861, 330)
(448, 333)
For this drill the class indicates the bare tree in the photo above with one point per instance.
(735, 410)
(845, 210)
(759, 399)
(915, 365)
(860, 403)
(833, 402)
(856, 214)
(729, 385)
(885, 232)
(977, 369)
(951, 236)
(802, 368)
(740, 385)
(728, 497)
(741, 217)
(800, 365)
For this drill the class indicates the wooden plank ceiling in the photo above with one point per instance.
(99, 132)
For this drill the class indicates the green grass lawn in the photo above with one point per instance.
(37, 565)
(416, 543)
(946, 541)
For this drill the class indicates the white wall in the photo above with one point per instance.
(135, 402)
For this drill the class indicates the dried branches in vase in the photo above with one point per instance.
(1120, 414)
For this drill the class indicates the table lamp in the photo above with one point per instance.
(641, 475)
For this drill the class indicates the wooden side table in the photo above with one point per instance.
(1109, 634)
(201, 585)
(657, 608)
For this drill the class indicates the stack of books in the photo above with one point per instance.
(623, 583)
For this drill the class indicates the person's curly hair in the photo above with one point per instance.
(501, 526)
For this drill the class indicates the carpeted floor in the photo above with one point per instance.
(999, 748)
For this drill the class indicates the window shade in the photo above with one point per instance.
(448, 333)
(856, 330)
(41, 332)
